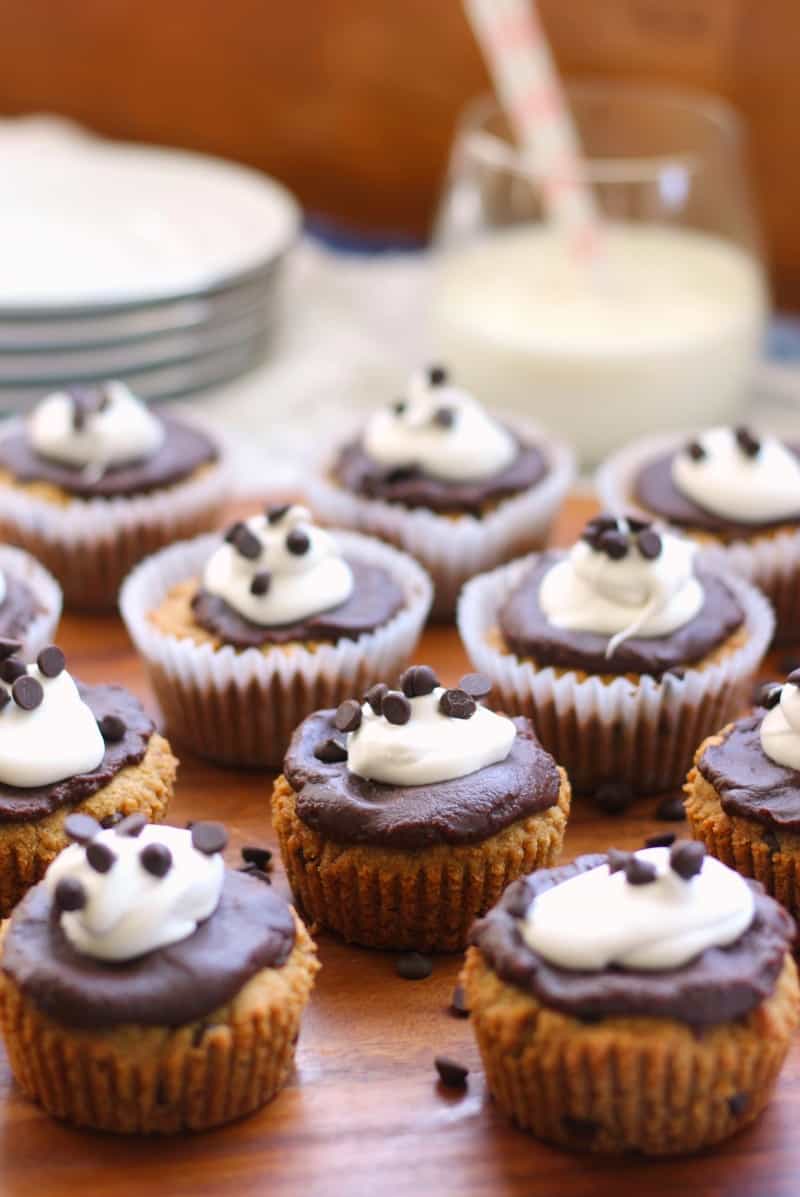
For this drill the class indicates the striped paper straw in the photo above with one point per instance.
(526, 81)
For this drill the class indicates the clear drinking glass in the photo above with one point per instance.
(664, 329)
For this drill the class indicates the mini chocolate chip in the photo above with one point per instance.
(132, 825)
(11, 669)
(260, 857)
(457, 704)
(112, 820)
(794, 677)
(649, 544)
(412, 966)
(298, 542)
(686, 858)
(80, 828)
(444, 417)
(477, 685)
(331, 752)
(458, 1003)
(437, 376)
(99, 856)
(602, 523)
(665, 839)
(451, 1074)
(27, 692)
(639, 872)
(276, 513)
(51, 661)
(261, 583)
(5, 698)
(208, 837)
(396, 707)
(696, 451)
(613, 797)
(613, 544)
(418, 680)
(738, 1103)
(8, 648)
(671, 809)
(769, 837)
(617, 859)
(375, 696)
(112, 728)
(245, 542)
(69, 894)
(399, 406)
(749, 444)
(348, 716)
(156, 859)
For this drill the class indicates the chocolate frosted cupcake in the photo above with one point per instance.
(68, 748)
(244, 637)
(145, 988)
(94, 481)
(402, 818)
(623, 651)
(30, 602)
(637, 1002)
(735, 492)
(435, 474)
(743, 794)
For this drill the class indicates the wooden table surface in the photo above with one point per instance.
(362, 1112)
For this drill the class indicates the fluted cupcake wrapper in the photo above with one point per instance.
(162, 1080)
(46, 591)
(642, 732)
(424, 899)
(241, 706)
(454, 548)
(770, 559)
(626, 1084)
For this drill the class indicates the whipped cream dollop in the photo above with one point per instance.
(739, 475)
(47, 731)
(651, 912)
(440, 429)
(134, 888)
(623, 578)
(278, 568)
(94, 427)
(780, 727)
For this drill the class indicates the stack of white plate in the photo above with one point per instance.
(159, 267)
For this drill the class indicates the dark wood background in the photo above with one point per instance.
(353, 102)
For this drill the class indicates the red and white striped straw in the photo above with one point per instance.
(526, 81)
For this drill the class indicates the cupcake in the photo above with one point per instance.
(735, 492)
(624, 651)
(94, 481)
(436, 475)
(658, 1024)
(30, 602)
(743, 794)
(145, 988)
(68, 749)
(244, 637)
(403, 817)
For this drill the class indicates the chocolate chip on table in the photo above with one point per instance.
(686, 858)
(27, 692)
(418, 680)
(375, 696)
(613, 797)
(51, 661)
(69, 894)
(276, 513)
(671, 809)
(477, 685)
(458, 1003)
(457, 704)
(664, 839)
(208, 837)
(331, 752)
(412, 966)
(648, 543)
(348, 716)
(131, 825)
(112, 728)
(444, 417)
(614, 544)
(244, 541)
(749, 444)
(260, 857)
(99, 856)
(11, 669)
(8, 648)
(437, 376)
(451, 1074)
(260, 583)
(80, 828)
(738, 1103)
(156, 859)
(696, 451)
(639, 872)
(396, 707)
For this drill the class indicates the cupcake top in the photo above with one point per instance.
(143, 924)
(627, 598)
(672, 934)
(278, 577)
(60, 741)
(724, 481)
(755, 764)
(419, 765)
(437, 447)
(103, 442)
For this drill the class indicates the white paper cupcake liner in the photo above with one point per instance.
(91, 544)
(454, 548)
(241, 706)
(42, 629)
(641, 733)
(770, 560)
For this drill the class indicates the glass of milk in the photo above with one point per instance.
(663, 329)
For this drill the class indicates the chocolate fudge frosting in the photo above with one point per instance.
(252, 928)
(655, 490)
(374, 600)
(528, 632)
(718, 985)
(182, 451)
(350, 810)
(750, 783)
(18, 609)
(356, 471)
(26, 804)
